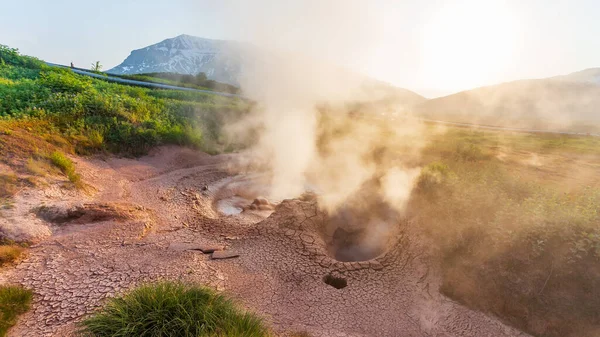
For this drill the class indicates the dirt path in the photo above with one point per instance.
(146, 213)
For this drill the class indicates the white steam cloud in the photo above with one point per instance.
(308, 137)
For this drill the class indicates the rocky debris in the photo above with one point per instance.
(224, 254)
(261, 204)
(87, 213)
(204, 248)
(207, 249)
(24, 230)
(308, 196)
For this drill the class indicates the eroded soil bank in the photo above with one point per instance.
(162, 216)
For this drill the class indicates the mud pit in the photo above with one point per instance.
(291, 266)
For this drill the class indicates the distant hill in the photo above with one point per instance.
(223, 61)
(591, 75)
(219, 60)
(563, 103)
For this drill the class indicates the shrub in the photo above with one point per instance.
(172, 309)
(468, 151)
(432, 176)
(64, 81)
(14, 301)
(13, 57)
(9, 254)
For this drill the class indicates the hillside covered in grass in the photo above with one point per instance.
(85, 115)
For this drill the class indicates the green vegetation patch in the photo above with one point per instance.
(66, 166)
(14, 301)
(93, 115)
(509, 242)
(172, 309)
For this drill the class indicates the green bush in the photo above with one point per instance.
(172, 309)
(12, 56)
(433, 176)
(65, 81)
(14, 301)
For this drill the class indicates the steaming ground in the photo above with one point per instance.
(143, 220)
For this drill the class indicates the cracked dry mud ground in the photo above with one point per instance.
(152, 206)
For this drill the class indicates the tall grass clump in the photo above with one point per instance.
(14, 301)
(9, 254)
(66, 166)
(172, 309)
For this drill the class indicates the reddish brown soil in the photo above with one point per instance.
(141, 217)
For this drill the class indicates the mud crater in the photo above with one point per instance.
(235, 196)
(356, 234)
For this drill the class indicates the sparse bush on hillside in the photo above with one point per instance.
(14, 301)
(96, 67)
(433, 176)
(173, 309)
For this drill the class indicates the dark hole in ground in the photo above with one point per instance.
(349, 246)
(336, 282)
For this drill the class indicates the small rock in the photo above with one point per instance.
(207, 249)
(224, 254)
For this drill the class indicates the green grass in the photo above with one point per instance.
(172, 309)
(66, 165)
(509, 240)
(94, 115)
(189, 81)
(14, 301)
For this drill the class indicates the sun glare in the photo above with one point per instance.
(468, 43)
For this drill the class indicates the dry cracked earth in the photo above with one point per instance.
(160, 217)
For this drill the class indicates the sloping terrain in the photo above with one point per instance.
(554, 104)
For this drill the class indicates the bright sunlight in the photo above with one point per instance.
(468, 42)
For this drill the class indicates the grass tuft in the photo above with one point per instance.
(66, 166)
(172, 309)
(14, 301)
(37, 167)
(8, 185)
(9, 254)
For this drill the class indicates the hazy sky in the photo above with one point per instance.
(429, 46)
